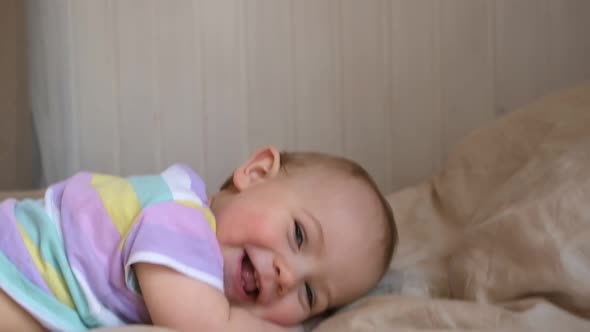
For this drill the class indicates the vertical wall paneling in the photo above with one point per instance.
(416, 85)
(366, 129)
(467, 73)
(569, 23)
(198, 88)
(53, 115)
(96, 81)
(225, 107)
(522, 52)
(36, 81)
(38, 13)
(179, 111)
(71, 88)
(132, 86)
(318, 118)
(138, 88)
(269, 69)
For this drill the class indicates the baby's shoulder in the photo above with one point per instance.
(185, 184)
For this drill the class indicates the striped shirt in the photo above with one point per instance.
(67, 259)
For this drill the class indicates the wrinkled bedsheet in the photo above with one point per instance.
(499, 240)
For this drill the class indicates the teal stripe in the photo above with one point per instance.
(43, 232)
(35, 222)
(150, 189)
(43, 306)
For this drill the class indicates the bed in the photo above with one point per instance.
(499, 239)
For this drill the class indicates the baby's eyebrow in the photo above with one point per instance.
(318, 232)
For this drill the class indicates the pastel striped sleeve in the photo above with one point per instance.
(179, 235)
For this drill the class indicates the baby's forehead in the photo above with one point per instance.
(350, 217)
(332, 195)
(345, 191)
(332, 177)
(336, 197)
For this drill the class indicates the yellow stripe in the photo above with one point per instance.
(119, 199)
(53, 279)
(209, 217)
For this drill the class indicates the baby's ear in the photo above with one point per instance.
(264, 164)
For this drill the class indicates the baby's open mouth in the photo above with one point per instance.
(250, 282)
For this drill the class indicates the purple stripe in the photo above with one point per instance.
(13, 247)
(92, 244)
(179, 219)
(194, 244)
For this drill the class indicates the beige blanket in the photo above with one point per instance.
(499, 240)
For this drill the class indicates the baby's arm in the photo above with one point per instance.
(185, 304)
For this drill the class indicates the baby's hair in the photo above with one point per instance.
(293, 160)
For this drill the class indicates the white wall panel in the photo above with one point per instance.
(569, 23)
(364, 85)
(180, 112)
(522, 52)
(96, 88)
(415, 93)
(225, 125)
(132, 86)
(53, 91)
(467, 72)
(269, 33)
(318, 118)
(139, 90)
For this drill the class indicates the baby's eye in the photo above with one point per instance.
(299, 234)
(310, 296)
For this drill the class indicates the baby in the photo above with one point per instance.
(288, 236)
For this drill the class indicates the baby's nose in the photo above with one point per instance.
(286, 278)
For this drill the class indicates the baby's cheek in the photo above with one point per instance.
(256, 220)
(263, 227)
(284, 313)
(239, 224)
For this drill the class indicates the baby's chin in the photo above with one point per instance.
(284, 318)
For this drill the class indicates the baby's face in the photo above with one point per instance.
(294, 246)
